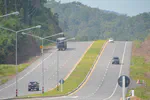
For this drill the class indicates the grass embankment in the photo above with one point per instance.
(137, 43)
(140, 69)
(79, 74)
(6, 71)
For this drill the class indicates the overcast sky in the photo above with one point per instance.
(129, 7)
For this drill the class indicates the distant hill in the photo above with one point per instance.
(86, 23)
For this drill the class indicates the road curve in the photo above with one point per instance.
(67, 59)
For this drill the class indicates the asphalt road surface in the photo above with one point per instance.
(67, 60)
(102, 84)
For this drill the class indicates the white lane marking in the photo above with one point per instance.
(119, 73)
(61, 66)
(61, 97)
(27, 73)
(102, 78)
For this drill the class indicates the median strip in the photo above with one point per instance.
(78, 75)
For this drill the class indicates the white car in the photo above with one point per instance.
(111, 40)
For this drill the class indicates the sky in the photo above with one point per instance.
(129, 7)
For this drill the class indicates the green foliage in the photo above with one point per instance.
(4, 81)
(8, 70)
(137, 43)
(31, 14)
(88, 23)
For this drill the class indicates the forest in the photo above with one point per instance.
(31, 13)
(86, 23)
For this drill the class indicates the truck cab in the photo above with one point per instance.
(61, 43)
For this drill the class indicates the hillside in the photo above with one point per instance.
(32, 13)
(140, 67)
(86, 23)
(142, 49)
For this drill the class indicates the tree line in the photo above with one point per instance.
(86, 23)
(32, 13)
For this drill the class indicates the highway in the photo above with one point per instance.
(67, 60)
(102, 84)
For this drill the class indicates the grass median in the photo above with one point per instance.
(80, 72)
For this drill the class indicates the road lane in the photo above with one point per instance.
(67, 60)
(125, 71)
(98, 73)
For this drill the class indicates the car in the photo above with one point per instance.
(33, 86)
(111, 40)
(115, 60)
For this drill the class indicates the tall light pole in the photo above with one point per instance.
(13, 13)
(57, 79)
(39, 26)
(42, 52)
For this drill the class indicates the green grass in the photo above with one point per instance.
(79, 74)
(137, 71)
(137, 43)
(9, 70)
(50, 44)
(4, 80)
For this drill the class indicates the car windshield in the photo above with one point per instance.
(32, 83)
(115, 58)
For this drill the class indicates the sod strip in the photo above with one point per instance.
(80, 72)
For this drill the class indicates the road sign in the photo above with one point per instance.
(127, 81)
(61, 81)
(41, 47)
(61, 84)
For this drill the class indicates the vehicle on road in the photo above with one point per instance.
(61, 43)
(33, 86)
(111, 40)
(115, 60)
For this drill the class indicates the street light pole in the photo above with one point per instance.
(57, 79)
(57, 70)
(16, 67)
(39, 26)
(42, 63)
(42, 69)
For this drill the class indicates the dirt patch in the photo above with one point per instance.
(143, 50)
(135, 98)
(147, 75)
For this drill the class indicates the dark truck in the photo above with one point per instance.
(61, 43)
